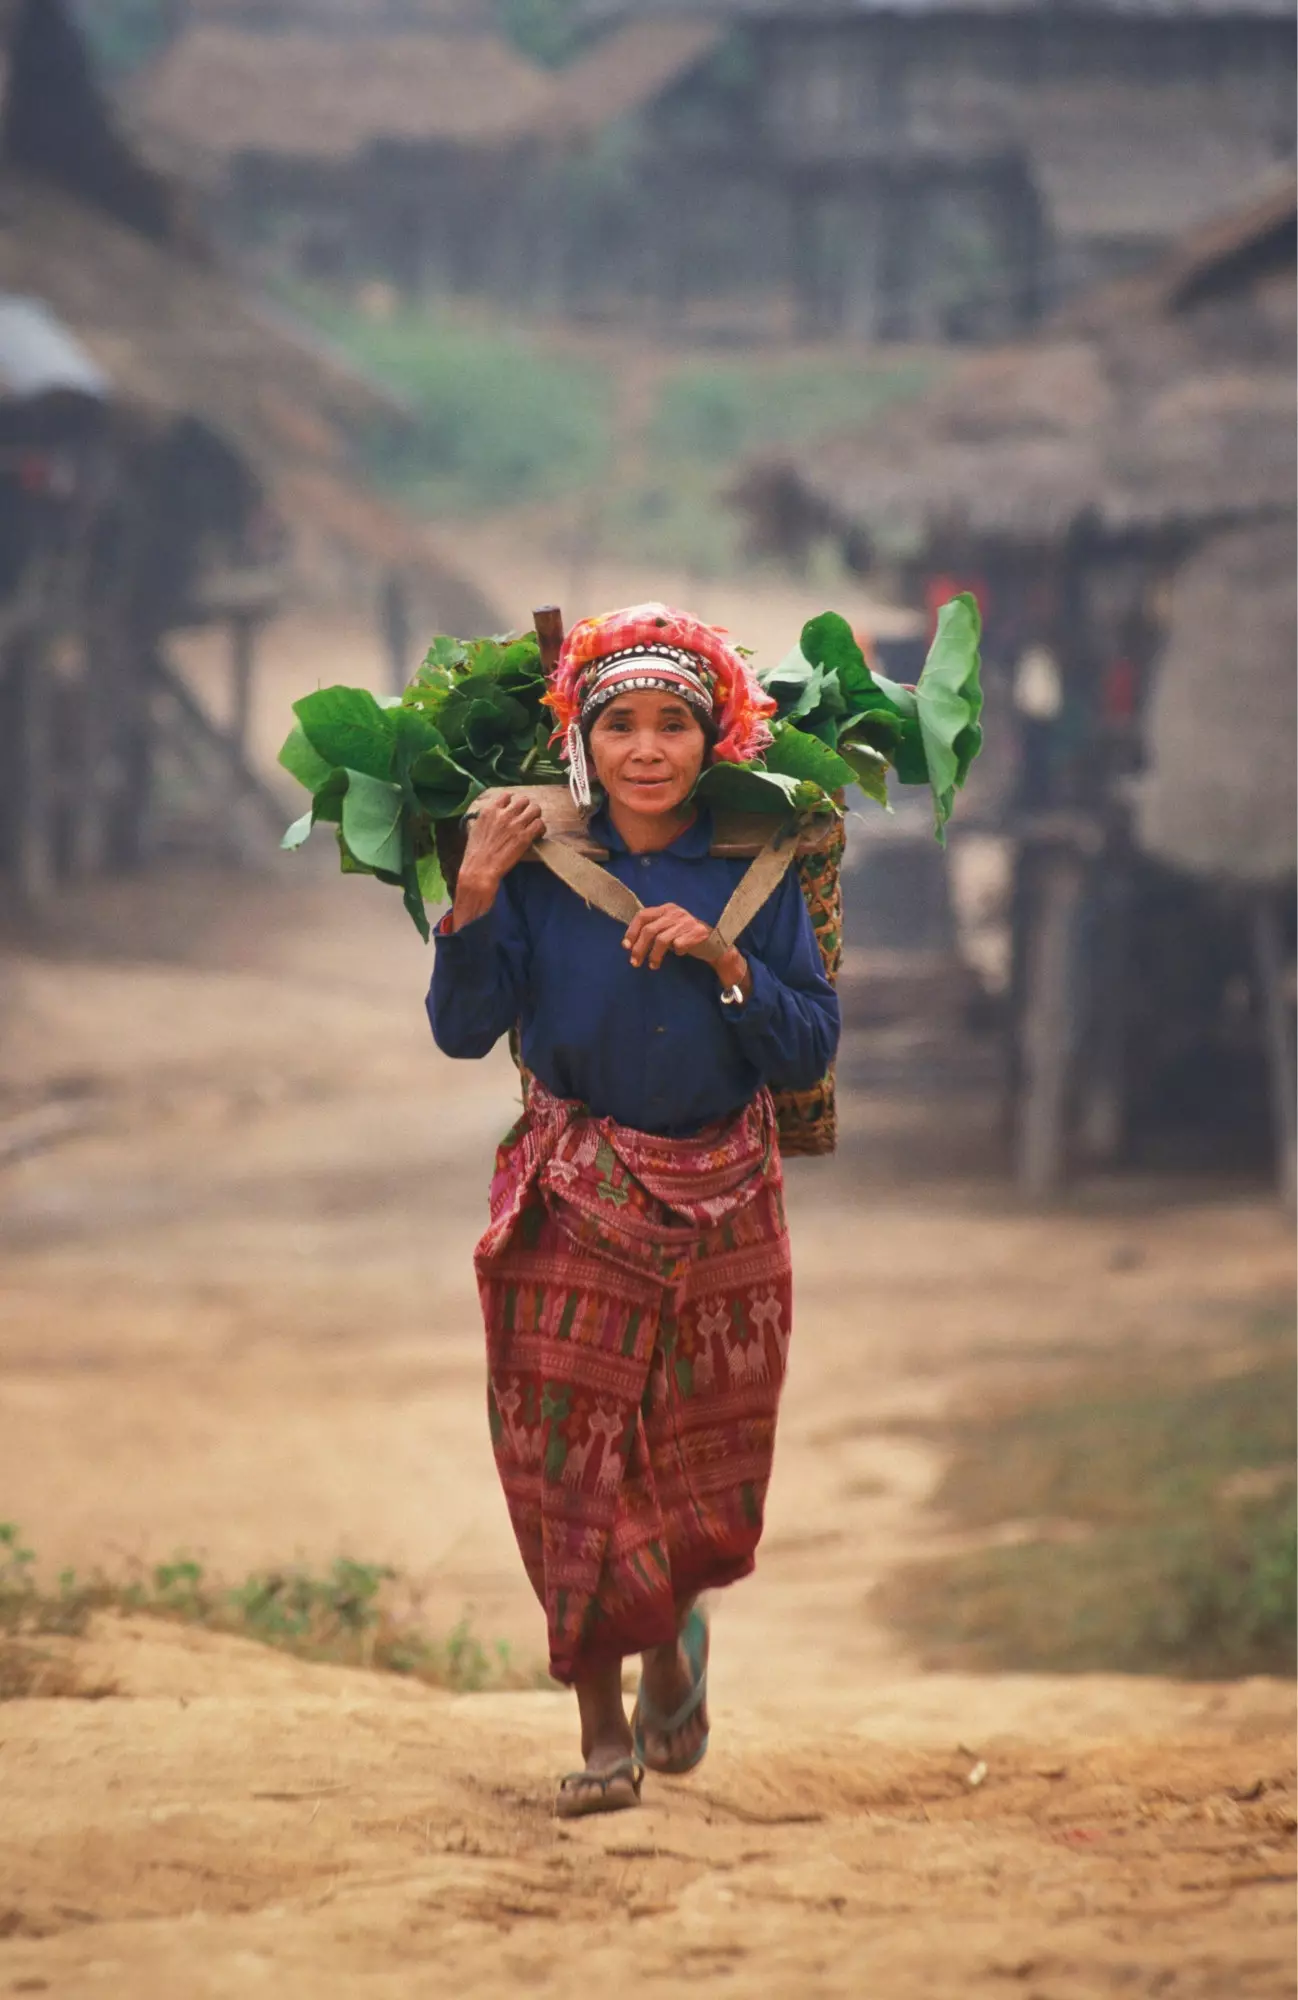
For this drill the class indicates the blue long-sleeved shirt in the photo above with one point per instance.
(653, 1050)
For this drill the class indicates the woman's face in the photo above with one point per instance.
(647, 749)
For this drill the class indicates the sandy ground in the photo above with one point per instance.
(237, 1319)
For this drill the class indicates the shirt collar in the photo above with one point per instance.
(692, 845)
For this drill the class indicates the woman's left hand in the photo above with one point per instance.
(651, 934)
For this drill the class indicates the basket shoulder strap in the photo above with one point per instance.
(591, 882)
(757, 885)
(596, 886)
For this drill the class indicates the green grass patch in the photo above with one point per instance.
(720, 411)
(1159, 1526)
(503, 416)
(496, 417)
(351, 1614)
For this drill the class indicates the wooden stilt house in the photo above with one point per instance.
(1120, 494)
(169, 457)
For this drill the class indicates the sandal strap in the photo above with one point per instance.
(694, 1639)
(626, 1767)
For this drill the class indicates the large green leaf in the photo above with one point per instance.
(328, 801)
(348, 729)
(442, 787)
(741, 788)
(870, 769)
(794, 754)
(432, 883)
(299, 831)
(808, 695)
(371, 822)
(412, 895)
(829, 642)
(301, 761)
(415, 734)
(949, 699)
(444, 655)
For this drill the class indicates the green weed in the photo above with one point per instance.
(504, 416)
(1160, 1527)
(353, 1614)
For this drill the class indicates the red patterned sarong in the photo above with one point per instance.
(637, 1297)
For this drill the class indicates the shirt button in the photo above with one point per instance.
(660, 1031)
(644, 860)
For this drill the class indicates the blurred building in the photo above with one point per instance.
(927, 172)
(439, 161)
(1119, 493)
(947, 171)
(170, 457)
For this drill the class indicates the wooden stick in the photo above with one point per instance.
(1269, 957)
(548, 620)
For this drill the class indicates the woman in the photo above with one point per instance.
(635, 1278)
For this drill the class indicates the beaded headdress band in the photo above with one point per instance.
(635, 670)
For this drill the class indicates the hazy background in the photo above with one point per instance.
(327, 327)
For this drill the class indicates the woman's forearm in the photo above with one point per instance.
(474, 896)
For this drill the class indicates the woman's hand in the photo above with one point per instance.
(651, 934)
(499, 836)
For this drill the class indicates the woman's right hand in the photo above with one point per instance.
(500, 834)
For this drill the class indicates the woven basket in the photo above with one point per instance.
(808, 1119)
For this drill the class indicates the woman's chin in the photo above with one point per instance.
(651, 800)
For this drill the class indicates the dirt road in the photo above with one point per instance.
(238, 1319)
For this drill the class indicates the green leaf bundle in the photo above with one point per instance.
(384, 773)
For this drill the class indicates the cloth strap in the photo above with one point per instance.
(604, 892)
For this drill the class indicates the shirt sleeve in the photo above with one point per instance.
(788, 1027)
(480, 978)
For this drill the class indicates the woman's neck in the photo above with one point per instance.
(649, 833)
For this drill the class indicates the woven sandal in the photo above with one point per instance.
(694, 1638)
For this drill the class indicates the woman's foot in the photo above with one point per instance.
(612, 1776)
(600, 1789)
(672, 1711)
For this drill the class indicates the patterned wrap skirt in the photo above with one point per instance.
(637, 1295)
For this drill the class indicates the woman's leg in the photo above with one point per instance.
(668, 1682)
(605, 1731)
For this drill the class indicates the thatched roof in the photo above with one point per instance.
(1149, 407)
(221, 91)
(179, 339)
(1218, 798)
(218, 92)
(835, 10)
(1166, 157)
(341, 16)
(626, 71)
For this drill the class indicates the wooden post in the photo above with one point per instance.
(548, 620)
(243, 631)
(1042, 1138)
(394, 621)
(36, 769)
(1279, 1038)
(1102, 1106)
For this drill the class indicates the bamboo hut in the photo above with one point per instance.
(1120, 493)
(169, 456)
(440, 161)
(948, 171)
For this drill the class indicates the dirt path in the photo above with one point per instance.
(237, 1318)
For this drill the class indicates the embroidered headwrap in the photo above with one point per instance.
(649, 646)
